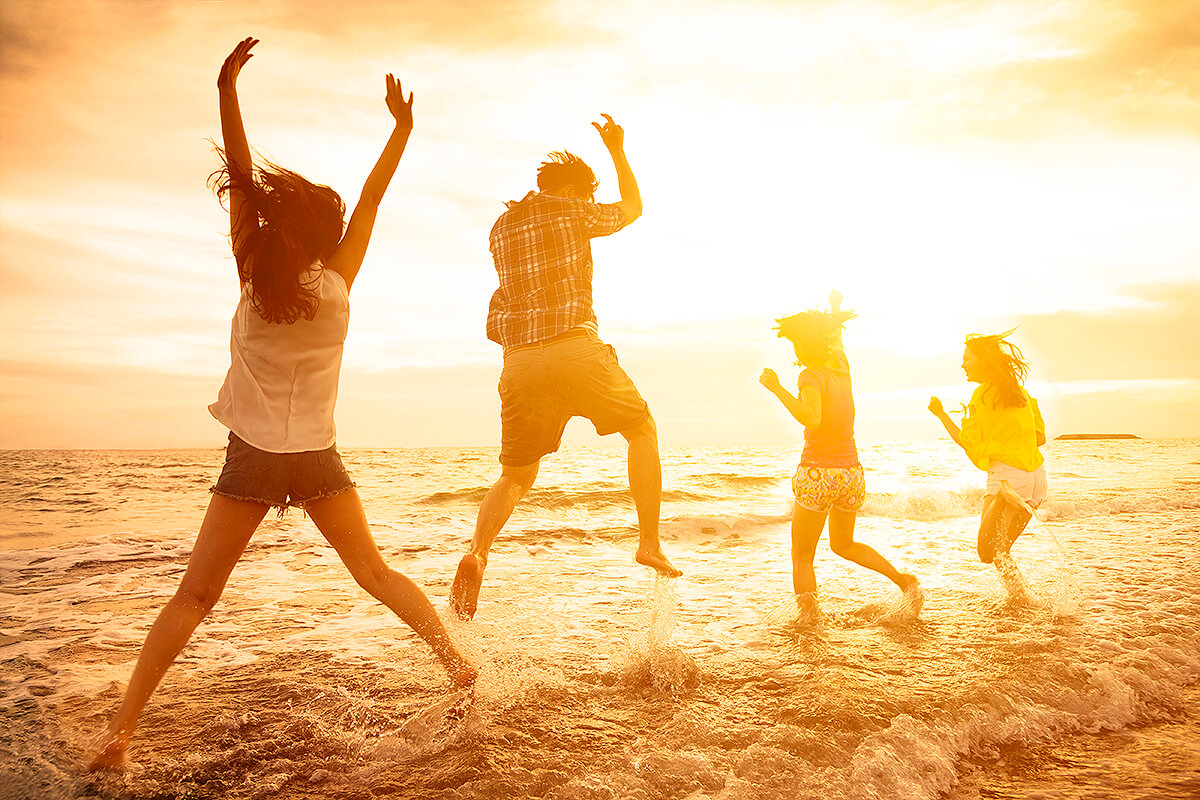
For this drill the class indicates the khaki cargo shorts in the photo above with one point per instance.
(546, 383)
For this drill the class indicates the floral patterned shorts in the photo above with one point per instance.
(822, 489)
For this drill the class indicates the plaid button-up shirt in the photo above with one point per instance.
(542, 250)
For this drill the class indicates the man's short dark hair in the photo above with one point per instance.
(566, 169)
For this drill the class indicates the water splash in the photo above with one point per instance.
(653, 658)
(427, 732)
(904, 609)
(1014, 582)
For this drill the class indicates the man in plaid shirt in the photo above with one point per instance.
(555, 366)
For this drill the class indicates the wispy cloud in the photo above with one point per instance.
(951, 166)
(1154, 339)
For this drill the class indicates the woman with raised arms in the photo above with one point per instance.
(296, 269)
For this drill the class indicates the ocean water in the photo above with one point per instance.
(599, 680)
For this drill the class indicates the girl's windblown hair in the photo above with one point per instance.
(1002, 365)
(299, 224)
(811, 333)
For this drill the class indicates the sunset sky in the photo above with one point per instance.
(951, 167)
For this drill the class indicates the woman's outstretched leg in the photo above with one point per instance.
(227, 528)
(343, 523)
(841, 541)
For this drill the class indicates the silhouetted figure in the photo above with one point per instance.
(829, 480)
(296, 270)
(1001, 432)
(555, 365)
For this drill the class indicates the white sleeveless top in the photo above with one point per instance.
(282, 382)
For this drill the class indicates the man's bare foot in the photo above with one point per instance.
(656, 560)
(112, 753)
(464, 592)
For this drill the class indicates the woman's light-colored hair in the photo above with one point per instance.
(299, 223)
(1002, 366)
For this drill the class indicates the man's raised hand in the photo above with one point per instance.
(612, 134)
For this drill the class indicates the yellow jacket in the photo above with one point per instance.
(1010, 435)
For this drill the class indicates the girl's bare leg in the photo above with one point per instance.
(1010, 523)
(343, 523)
(806, 532)
(999, 526)
(227, 527)
(841, 541)
(989, 522)
(1013, 518)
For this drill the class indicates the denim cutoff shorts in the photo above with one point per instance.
(280, 480)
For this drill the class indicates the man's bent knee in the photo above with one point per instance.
(523, 477)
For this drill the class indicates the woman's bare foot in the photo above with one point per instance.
(656, 560)
(112, 753)
(808, 611)
(464, 592)
(463, 675)
(914, 596)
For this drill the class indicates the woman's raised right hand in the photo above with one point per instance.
(400, 108)
(234, 63)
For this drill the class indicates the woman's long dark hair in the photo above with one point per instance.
(1003, 366)
(299, 224)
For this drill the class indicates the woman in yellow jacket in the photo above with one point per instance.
(1001, 432)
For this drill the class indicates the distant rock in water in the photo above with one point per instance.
(1097, 436)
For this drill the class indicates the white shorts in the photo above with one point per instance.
(1030, 485)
